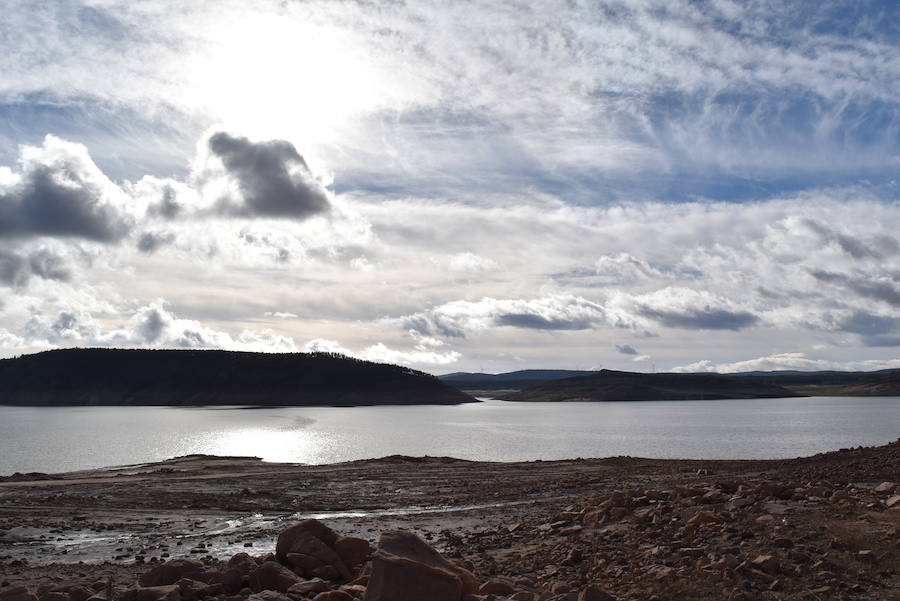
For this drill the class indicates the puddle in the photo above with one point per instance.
(121, 537)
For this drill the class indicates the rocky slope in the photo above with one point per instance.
(176, 377)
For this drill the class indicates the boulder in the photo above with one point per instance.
(353, 551)
(315, 539)
(405, 568)
(243, 563)
(497, 587)
(272, 576)
(306, 587)
(171, 572)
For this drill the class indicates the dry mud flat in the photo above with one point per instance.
(823, 527)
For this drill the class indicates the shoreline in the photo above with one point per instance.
(510, 520)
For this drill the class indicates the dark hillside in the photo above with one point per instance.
(608, 385)
(196, 377)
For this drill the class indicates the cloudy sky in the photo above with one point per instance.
(466, 186)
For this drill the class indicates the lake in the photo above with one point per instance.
(71, 438)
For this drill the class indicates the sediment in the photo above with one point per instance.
(230, 529)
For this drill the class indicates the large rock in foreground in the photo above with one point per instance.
(406, 568)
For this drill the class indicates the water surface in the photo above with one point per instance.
(70, 438)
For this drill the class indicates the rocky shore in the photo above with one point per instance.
(400, 528)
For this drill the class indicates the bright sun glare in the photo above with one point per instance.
(275, 78)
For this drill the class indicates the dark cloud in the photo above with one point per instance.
(433, 326)
(882, 290)
(150, 242)
(17, 269)
(60, 201)
(868, 324)
(272, 176)
(626, 349)
(167, 206)
(852, 246)
(705, 318)
(539, 322)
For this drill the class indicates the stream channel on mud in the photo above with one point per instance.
(71, 438)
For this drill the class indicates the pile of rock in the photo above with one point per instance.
(748, 539)
(313, 563)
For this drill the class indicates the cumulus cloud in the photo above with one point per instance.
(786, 361)
(62, 193)
(457, 318)
(151, 326)
(626, 349)
(270, 179)
(151, 241)
(381, 353)
(16, 269)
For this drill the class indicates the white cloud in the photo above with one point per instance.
(381, 353)
(787, 361)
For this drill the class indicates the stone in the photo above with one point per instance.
(496, 587)
(405, 568)
(268, 596)
(594, 593)
(306, 563)
(311, 537)
(333, 596)
(892, 501)
(79, 593)
(353, 551)
(171, 572)
(316, 585)
(243, 563)
(17, 593)
(169, 592)
(886, 488)
(767, 563)
(272, 576)
(54, 596)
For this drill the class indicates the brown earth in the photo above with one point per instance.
(822, 527)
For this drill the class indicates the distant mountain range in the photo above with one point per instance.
(607, 385)
(194, 377)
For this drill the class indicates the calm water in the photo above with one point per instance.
(63, 439)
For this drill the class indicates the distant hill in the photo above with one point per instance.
(607, 385)
(513, 380)
(195, 377)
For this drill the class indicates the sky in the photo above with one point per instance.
(467, 186)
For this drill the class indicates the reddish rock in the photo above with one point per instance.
(496, 587)
(306, 563)
(333, 596)
(243, 563)
(171, 572)
(312, 538)
(767, 563)
(17, 593)
(268, 596)
(405, 568)
(353, 551)
(273, 576)
(886, 488)
(594, 593)
(307, 587)
(169, 592)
